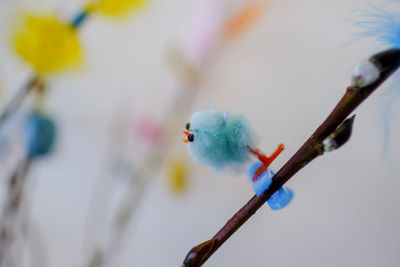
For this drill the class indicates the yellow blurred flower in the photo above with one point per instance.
(177, 176)
(46, 43)
(116, 8)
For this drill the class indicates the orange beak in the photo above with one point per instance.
(187, 134)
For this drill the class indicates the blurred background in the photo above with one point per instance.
(119, 187)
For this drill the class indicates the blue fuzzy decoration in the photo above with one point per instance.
(384, 26)
(381, 25)
(220, 139)
(40, 133)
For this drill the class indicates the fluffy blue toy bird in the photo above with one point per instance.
(225, 141)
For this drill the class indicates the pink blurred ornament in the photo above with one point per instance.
(204, 32)
(149, 130)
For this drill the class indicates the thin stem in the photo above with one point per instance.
(11, 211)
(387, 61)
(18, 99)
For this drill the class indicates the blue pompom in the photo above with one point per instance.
(40, 133)
(280, 198)
(220, 139)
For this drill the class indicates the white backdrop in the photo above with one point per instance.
(285, 74)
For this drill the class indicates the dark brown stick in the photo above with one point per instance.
(387, 62)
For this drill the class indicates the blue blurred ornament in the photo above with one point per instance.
(40, 134)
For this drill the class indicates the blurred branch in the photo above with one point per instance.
(11, 211)
(387, 62)
(18, 99)
(140, 179)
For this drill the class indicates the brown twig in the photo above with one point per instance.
(11, 212)
(18, 99)
(387, 62)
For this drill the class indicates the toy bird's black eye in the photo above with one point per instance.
(191, 137)
(187, 126)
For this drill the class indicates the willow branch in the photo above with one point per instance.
(17, 100)
(387, 62)
(11, 211)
